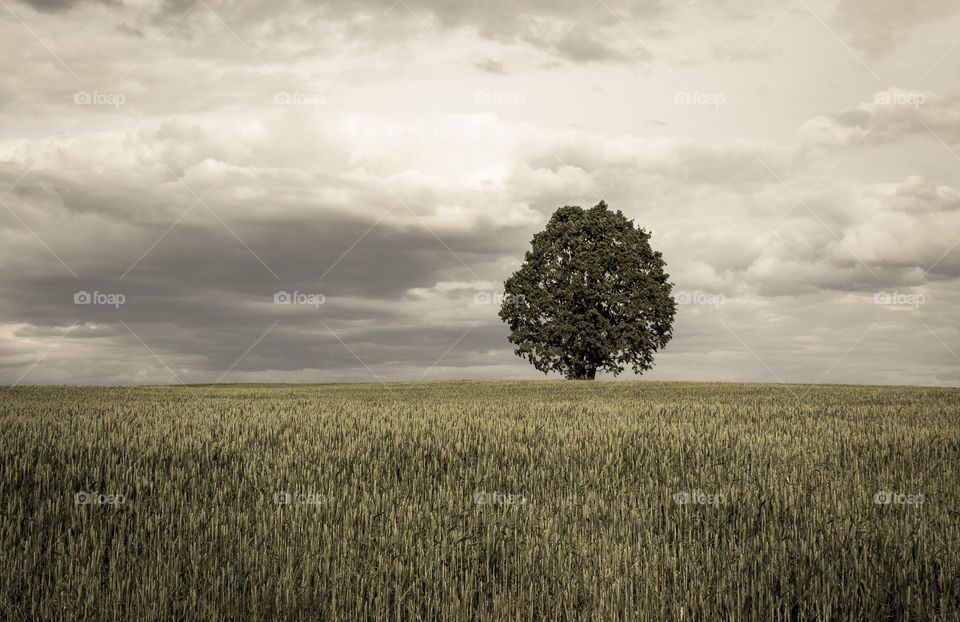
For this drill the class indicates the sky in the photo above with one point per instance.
(327, 191)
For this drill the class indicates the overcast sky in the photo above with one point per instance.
(797, 162)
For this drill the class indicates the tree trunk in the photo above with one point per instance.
(581, 372)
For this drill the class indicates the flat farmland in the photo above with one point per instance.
(520, 500)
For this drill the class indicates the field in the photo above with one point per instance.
(626, 500)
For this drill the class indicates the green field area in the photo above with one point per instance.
(604, 501)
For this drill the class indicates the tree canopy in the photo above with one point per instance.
(590, 295)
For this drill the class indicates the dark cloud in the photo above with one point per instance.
(404, 195)
(582, 48)
(128, 30)
(489, 65)
(55, 6)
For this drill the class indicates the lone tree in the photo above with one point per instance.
(590, 295)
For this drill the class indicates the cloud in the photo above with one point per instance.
(380, 180)
(892, 116)
(881, 26)
(382, 221)
(581, 47)
(266, 29)
(489, 65)
(55, 6)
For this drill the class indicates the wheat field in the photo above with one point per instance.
(520, 500)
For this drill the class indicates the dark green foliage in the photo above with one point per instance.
(591, 295)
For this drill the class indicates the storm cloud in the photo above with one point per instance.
(304, 192)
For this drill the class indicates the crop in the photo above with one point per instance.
(480, 500)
